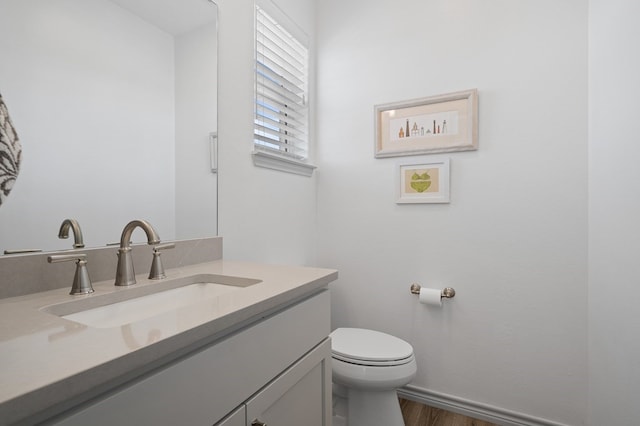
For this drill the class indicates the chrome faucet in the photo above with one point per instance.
(77, 233)
(125, 274)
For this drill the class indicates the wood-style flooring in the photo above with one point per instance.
(416, 414)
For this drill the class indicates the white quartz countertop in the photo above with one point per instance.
(48, 363)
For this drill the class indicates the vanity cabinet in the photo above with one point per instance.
(276, 370)
(296, 397)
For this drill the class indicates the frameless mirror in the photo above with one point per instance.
(115, 104)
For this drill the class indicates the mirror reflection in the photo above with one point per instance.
(115, 105)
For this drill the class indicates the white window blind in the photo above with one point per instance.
(281, 111)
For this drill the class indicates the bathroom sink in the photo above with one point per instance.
(143, 307)
(129, 305)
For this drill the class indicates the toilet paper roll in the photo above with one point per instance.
(430, 296)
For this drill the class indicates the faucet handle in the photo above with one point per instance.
(81, 280)
(157, 270)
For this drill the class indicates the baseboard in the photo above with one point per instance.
(473, 409)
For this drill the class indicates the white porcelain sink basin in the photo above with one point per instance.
(129, 305)
(139, 308)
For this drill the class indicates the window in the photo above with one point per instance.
(281, 122)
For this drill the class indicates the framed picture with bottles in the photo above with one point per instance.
(442, 123)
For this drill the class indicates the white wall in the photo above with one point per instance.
(614, 208)
(196, 117)
(81, 158)
(264, 215)
(513, 240)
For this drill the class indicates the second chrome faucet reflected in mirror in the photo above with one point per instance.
(77, 232)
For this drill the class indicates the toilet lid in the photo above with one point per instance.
(369, 346)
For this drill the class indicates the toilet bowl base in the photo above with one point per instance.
(367, 408)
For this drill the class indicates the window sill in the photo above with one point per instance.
(275, 162)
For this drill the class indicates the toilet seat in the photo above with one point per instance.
(369, 348)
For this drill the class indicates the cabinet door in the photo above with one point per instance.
(237, 418)
(299, 396)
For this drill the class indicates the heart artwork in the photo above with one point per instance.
(420, 182)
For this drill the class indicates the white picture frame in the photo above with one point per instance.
(423, 181)
(435, 124)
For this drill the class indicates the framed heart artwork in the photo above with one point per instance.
(423, 181)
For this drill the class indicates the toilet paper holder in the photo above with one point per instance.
(446, 292)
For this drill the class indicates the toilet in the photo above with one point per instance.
(368, 368)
